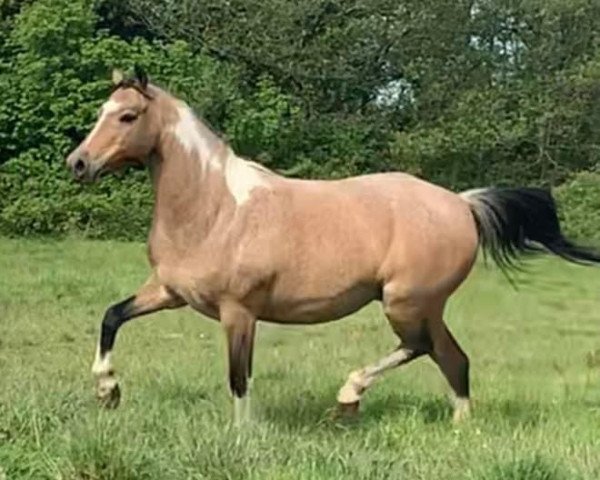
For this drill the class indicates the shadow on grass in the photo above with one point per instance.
(304, 411)
(428, 409)
(305, 408)
(311, 410)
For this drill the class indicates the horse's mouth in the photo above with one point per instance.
(99, 173)
(91, 175)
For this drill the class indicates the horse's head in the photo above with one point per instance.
(125, 132)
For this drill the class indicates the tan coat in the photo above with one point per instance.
(240, 243)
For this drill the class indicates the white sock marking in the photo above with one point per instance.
(102, 365)
(241, 410)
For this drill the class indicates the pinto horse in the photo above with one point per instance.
(240, 243)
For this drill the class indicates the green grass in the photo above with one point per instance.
(535, 358)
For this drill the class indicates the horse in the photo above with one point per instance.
(240, 243)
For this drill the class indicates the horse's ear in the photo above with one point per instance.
(117, 76)
(140, 76)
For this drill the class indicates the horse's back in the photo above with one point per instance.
(340, 242)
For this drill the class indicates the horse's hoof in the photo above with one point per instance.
(462, 411)
(347, 410)
(108, 393)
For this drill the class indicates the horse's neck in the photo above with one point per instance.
(189, 187)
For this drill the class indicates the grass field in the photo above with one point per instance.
(535, 359)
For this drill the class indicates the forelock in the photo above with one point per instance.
(131, 83)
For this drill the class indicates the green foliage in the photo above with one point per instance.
(55, 205)
(258, 123)
(461, 93)
(330, 147)
(525, 132)
(52, 88)
(579, 202)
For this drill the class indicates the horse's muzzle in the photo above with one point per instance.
(81, 166)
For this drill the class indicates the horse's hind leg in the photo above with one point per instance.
(422, 331)
(414, 343)
(421, 324)
(359, 380)
(453, 363)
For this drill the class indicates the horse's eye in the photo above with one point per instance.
(128, 118)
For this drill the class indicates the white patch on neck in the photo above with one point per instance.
(108, 107)
(242, 177)
(188, 134)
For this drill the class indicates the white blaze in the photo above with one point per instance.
(108, 107)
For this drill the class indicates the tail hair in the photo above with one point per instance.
(513, 221)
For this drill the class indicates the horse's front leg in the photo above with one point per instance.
(239, 324)
(150, 298)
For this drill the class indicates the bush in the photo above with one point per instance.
(525, 132)
(55, 205)
(579, 207)
(52, 85)
(54, 76)
(55, 61)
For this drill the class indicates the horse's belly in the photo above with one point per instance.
(297, 309)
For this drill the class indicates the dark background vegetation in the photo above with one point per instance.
(462, 93)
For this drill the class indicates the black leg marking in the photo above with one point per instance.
(239, 353)
(453, 362)
(115, 316)
(251, 350)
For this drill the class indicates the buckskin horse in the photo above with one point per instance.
(240, 243)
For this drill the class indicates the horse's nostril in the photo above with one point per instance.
(79, 166)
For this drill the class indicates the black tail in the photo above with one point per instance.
(512, 221)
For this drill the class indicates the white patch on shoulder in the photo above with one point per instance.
(187, 131)
(108, 107)
(242, 177)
